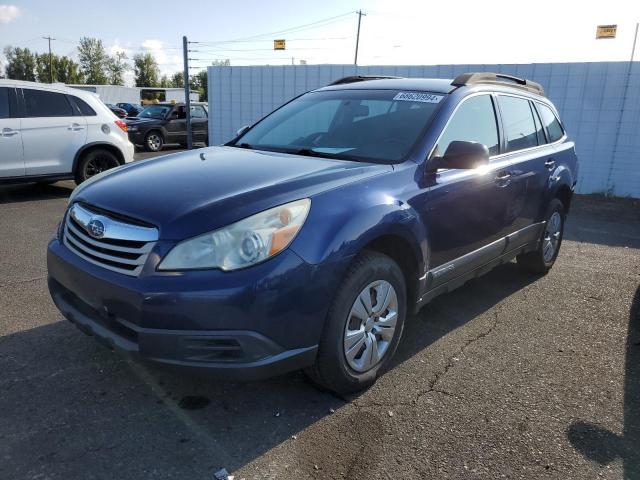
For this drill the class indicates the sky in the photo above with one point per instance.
(400, 32)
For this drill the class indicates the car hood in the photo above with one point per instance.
(190, 193)
(141, 121)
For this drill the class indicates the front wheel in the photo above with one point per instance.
(153, 142)
(542, 259)
(363, 327)
(93, 163)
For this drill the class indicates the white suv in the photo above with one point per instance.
(52, 132)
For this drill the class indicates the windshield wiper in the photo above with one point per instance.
(309, 152)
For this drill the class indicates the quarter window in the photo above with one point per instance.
(474, 121)
(82, 107)
(517, 119)
(40, 103)
(551, 123)
(4, 102)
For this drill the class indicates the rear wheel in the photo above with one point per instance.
(154, 141)
(542, 259)
(363, 327)
(93, 163)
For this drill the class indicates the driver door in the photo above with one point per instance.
(465, 210)
(177, 125)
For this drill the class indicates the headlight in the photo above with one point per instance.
(243, 243)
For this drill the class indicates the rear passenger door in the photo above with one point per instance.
(51, 133)
(11, 159)
(525, 164)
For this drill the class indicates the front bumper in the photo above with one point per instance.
(136, 137)
(252, 323)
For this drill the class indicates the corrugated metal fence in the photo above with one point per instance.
(598, 102)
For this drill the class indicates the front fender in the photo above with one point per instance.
(340, 228)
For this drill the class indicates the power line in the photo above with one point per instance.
(316, 24)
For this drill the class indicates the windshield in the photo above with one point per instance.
(155, 111)
(368, 125)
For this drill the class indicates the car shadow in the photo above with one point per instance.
(599, 444)
(29, 192)
(81, 406)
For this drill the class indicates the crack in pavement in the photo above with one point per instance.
(439, 375)
(18, 282)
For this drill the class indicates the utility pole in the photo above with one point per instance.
(50, 59)
(187, 97)
(635, 39)
(360, 14)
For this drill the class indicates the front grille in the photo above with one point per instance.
(105, 240)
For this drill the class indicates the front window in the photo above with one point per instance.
(367, 125)
(155, 111)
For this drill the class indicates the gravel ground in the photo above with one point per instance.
(510, 376)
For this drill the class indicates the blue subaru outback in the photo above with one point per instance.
(306, 240)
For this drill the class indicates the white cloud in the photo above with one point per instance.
(8, 13)
(168, 61)
(152, 44)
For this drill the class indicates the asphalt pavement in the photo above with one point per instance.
(510, 376)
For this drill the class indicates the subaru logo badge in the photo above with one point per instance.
(96, 228)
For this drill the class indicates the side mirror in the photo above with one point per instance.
(242, 130)
(461, 154)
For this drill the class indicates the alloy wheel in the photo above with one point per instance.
(552, 233)
(154, 142)
(98, 164)
(370, 326)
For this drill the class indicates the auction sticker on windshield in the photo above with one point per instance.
(418, 97)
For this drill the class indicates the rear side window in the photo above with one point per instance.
(81, 107)
(474, 121)
(551, 123)
(4, 102)
(40, 103)
(517, 119)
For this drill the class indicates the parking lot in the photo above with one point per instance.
(510, 376)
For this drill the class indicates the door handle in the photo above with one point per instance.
(74, 127)
(503, 178)
(550, 163)
(8, 132)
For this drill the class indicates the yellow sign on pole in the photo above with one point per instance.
(279, 45)
(606, 31)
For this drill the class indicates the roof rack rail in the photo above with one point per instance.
(360, 78)
(473, 78)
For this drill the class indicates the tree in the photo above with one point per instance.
(146, 70)
(94, 60)
(21, 64)
(68, 71)
(116, 68)
(165, 82)
(199, 82)
(177, 80)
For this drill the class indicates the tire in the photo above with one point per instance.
(153, 141)
(346, 370)
(538, 261)
(93, 162)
